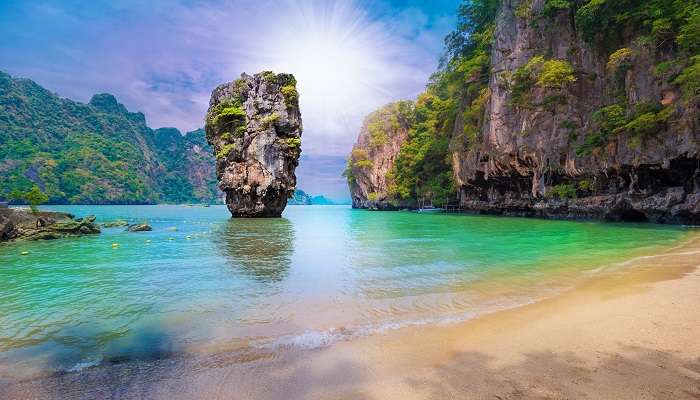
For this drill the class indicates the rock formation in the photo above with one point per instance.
(17, 224)
(115, 224)
(140, 227)
(546, 151)
(254, 125)
(555, 118)
(380, 139)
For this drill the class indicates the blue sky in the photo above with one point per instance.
(164, 57)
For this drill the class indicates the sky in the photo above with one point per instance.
(163, 58)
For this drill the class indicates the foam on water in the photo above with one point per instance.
(310, 340)
(84, 364)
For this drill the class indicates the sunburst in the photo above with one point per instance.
(338, 55)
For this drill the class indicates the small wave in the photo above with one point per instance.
(667, 253)
(311, 339)
(84, 364)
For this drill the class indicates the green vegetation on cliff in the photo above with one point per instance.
(97, 152)
(451, 115)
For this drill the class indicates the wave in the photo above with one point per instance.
(316, 339)
(668, 252)
(84, 364)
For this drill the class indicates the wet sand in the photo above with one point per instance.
(632, 332)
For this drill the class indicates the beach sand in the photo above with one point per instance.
(631, 332)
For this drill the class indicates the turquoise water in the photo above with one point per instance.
(203, 282)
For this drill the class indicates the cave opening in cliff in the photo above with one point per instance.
(625, 213)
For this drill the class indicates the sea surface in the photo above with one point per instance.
(202, 282)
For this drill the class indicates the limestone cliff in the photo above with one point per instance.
(254, 125)
(383, 133)
(559, 109)
(577, 128)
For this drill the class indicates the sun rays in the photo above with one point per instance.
(341, 59)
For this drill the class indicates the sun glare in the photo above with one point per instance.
(336, 54)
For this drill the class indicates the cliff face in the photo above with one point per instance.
(559, 109)
(254, 125)
(576, 130)
(379, 142)
(187, 167)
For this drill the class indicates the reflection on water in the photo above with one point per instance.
(259, 248)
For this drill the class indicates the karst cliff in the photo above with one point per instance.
(254, 126)
(560, 109)
(381, 137)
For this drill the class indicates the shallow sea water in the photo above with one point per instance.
(202, 282)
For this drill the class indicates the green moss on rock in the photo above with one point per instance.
(562, 191)
(291, 96)
(293, 142)
(225, 150)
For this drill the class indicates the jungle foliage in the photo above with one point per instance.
(95, 153)
(450, 114)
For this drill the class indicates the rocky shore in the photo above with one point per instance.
(23, 224)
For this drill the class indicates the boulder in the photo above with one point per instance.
(139, 228)
(18, 224)
(115, 224)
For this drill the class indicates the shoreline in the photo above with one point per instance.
(628, 332)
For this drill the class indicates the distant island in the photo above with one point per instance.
(301, 198)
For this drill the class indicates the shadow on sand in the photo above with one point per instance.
(634, 373)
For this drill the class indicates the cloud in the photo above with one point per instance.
(164, 57)
(322, 174)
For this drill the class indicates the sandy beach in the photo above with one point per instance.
(630, 332)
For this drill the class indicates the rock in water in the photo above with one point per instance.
(254, 125)
(142, 227)
(115, 223)
(22, 224)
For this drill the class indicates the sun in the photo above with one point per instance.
(336, 54)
